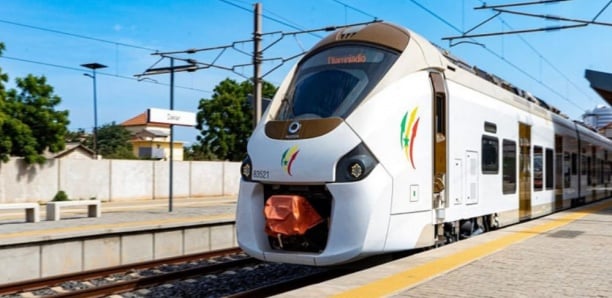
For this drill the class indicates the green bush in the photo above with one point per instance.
(60, 196)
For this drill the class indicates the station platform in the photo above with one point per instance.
(566, 254)
(126, 232)
(115, 216)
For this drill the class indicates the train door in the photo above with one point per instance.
(440, 115)
(524, 171)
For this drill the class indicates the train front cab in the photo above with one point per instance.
(391, 208)
(324, 163)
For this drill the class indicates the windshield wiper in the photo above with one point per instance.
(287, 112)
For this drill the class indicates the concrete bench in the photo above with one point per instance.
(53, 208)
(32, 212)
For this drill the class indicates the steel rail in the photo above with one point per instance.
(29, 285)
(291, 284)
(150, 281)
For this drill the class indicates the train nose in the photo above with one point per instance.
(292, 191)
(306, 156)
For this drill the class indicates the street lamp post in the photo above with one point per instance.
(93, 67)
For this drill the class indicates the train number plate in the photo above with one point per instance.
(261, 174)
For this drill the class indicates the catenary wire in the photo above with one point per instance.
(77, 35)
(500, 57)
(543, 57)
(100, 73)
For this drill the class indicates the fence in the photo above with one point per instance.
(115, 180)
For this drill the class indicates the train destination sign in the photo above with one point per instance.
(359, 58)
(171, 117)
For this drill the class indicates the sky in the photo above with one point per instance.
(52, 38)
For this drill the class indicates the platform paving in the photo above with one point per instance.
(570, 261)
(566, 254)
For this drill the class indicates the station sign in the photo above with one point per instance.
(171, 117)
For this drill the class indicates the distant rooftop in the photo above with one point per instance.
(141, 119)
(69, 149)
(601, 82)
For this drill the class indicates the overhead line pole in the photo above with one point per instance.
(257, 56)
(171, 165)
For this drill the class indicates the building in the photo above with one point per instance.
(607, 130)
(151, 140)
(72, 151)
(599, 117)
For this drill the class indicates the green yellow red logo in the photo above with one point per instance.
(409, 127)
(288, 158)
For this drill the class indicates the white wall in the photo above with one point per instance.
(114, 180)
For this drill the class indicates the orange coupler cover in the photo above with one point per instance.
(289, 215)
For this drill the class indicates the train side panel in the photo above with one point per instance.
(471, 193)
(401, 139)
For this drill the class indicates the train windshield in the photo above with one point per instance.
(334, 81)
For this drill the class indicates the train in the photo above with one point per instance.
(378, 141)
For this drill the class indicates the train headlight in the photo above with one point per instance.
(355, 165)
(356, 170)
(245, 169)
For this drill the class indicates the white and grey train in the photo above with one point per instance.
(378, 141)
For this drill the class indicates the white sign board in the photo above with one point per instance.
(171, 117)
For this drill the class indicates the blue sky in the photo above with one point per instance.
(54, 37)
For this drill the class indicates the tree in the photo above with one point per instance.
(196, 152)
(29, 123)
(5, 141)
(79, 136)
(225, 121)
(113, 142)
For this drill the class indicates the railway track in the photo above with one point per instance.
(231, 274)
(290, 284)
(52, 286)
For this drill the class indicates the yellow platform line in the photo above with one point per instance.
(152, 223)
(411, 277)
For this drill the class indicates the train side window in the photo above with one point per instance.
(574, 164)
(567, 170)
(490, 155)
(538, 168)
(509, 167)
(601, 171)
(604, 178)
(549, 172)
(490, 127)
(589, 170)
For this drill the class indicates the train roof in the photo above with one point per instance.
(379, 33)
(498, 81)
